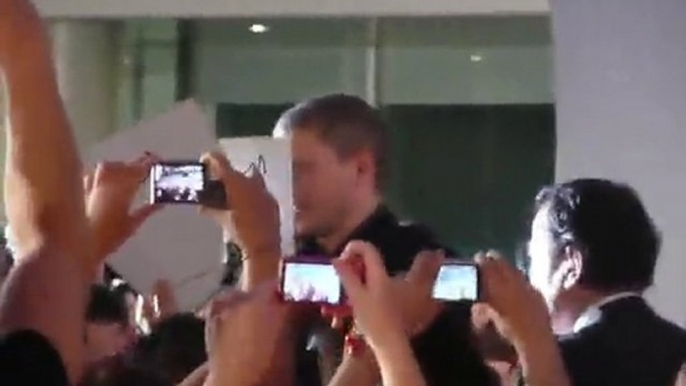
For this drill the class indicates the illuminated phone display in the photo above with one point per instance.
(457, 281)
(310, 282)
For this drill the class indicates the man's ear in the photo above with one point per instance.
(572, 266)
(366, 167)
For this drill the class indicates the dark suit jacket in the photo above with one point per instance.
(629, 346)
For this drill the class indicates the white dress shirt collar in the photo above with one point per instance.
(593, 313)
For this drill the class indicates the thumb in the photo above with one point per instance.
(258, 178)
(350, 278)
(425, 268)
(88, 181)
(218, 165)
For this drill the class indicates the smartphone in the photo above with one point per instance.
(310, 280)
(457, 280)
(185, 182)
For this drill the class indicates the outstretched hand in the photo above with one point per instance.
(369, 292)
(110, 192)
(243, 330)
(411, 295)
(20, 29)
(253, 216)
(520, 312)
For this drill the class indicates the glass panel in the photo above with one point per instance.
(295, 59)
(469, 102)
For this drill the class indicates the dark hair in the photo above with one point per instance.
(122, 290)
(346, 123)
(105, 306)
(609, 225)
(174, 349)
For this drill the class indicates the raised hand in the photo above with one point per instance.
(370, 294)
(46, 292)
(20, 30)
(519, 310)
(110, 192)
(521, 315)
(369, 291)
(242, 334)
(411, 295)
(252, 219)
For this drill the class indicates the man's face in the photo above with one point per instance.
(543, 253)
(104, 340)
(323, 185)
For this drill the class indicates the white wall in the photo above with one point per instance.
(226, 8)
(621, 99)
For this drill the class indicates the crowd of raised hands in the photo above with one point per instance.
(65, 226)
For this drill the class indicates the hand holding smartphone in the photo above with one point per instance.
(310, 280)
(314, 280)
(185, 182)
(457, 280)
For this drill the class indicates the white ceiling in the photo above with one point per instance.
(321, 8)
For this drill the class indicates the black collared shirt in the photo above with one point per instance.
(398, 243)
(445, 352)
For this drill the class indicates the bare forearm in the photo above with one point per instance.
(398, 365)
(542, 363)
(357, 371)
(43, 188)
(259, 268)
(197, 377)
(43, 198)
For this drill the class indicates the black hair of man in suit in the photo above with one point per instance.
(607, 222)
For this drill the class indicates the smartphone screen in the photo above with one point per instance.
(457, 281)
(177, 182)
(310, 282)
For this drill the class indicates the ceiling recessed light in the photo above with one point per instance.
(476, 58)
(258, 28)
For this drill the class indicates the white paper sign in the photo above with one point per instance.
(176, 244)
(272, 157)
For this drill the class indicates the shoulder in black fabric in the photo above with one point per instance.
(404, 242)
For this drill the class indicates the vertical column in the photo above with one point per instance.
(621, 105)
(85, 54)
(372, 62)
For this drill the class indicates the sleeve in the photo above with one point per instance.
(28, 358)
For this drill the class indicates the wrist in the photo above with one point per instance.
(364, 366)
(396, 352)
(392, 339)
(260, 268)
(541, 345)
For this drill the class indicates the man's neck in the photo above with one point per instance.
(361, 213)
(570, 309)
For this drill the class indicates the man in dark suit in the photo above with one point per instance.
(593, 252)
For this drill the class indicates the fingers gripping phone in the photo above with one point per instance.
(457, 280)
(310, 280)
(314, 280)
(184, 182)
